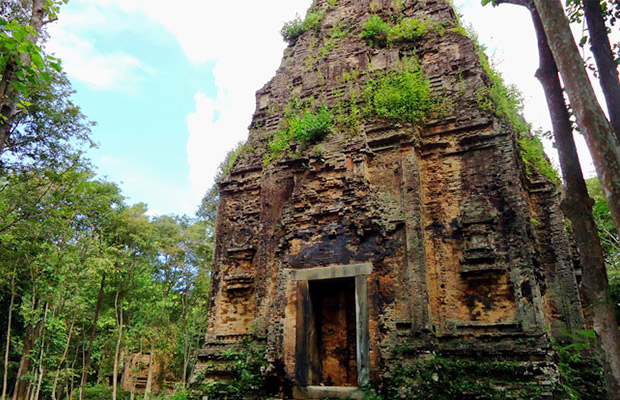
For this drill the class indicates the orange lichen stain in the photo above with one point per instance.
(487, 299)
(296, 245)
(387, 285)
(350, 166)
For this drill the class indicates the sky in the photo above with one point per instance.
(172, 88)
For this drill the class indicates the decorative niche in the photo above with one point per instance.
(478, 226)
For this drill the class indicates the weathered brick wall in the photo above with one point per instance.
(444, 213)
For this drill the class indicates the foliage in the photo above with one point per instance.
(400, 96)
(247, 365)
(51, 132)
(301, 125)
(348, 113)
(375, 31)
(611, 11)
(499, 98)
(62, 231)
(292, 30)
(609, 239)
(438, 378)
(102, 391)
(70, 245)
(379, 33)
(581, 377)
(409, 30)
(179, 395)
(535, 158)
(25, 59)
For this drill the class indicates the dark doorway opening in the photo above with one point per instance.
(332, 333)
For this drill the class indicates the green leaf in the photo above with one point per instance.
(56, 66)
(37, 60)
(45, 76)
(20, 87)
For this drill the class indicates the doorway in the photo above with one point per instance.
(332, 333)
(333, 307)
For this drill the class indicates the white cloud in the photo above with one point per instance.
(247, 49)
(203, 149)
(242, 37)
(83, 61)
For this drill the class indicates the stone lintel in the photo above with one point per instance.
(334, 272)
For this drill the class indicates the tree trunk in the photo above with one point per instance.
(595, 127)
(92, 339)
(62, 360)
(7, 351)
(41, 372)
(118, 344)
(70, 384)
(149, 380)
(9, 95)
(605, 60)
(186, 347)
(577, 205)
(21, 387)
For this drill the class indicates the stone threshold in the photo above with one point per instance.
(321, 392)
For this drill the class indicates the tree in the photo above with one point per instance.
(51, 132)
(577, 205)
(596, 12)
(599, 135)
(21, 59)
(609, 239)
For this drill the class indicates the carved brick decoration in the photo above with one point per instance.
(386, 234)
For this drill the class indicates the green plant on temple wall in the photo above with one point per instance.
(301, 125)
(401, 96)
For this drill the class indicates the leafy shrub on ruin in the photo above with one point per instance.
(304, 127)
(438, 378)
(248, 379)
(292, 30)
(375, 31)
(400, 96)
(535, 158)
(379, 33)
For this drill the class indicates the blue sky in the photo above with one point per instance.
(172, 87)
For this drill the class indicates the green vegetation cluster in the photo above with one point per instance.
(401, 96)
(581, 375)
(609, 239)
(439, 378)
(292, 30)
(86, 280)
(75, 260)
(301, 125)
(21, 57)
(534, 156)
(248, 379)
(380, 33)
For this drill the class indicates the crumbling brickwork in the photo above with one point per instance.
(435, 232)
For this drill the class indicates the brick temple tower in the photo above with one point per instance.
(432, 236)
